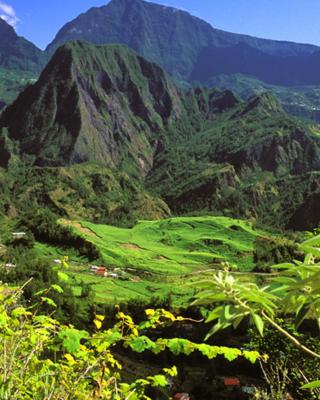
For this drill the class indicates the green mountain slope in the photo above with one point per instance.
(105, 104)
(198, 151)
(17, 53)
(20, 63)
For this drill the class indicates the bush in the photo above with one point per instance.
(271, 251)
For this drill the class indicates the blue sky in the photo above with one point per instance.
(295, 20)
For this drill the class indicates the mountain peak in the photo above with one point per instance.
(265, 102)
(185, 46)
(7, 33)
(92, 102)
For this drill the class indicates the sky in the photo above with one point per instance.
(294, 20)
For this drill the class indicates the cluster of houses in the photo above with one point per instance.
(104, 272)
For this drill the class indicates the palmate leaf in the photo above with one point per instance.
(180, 346)
(158, 380)
(71, 339)
(142, 343)
(252, 356)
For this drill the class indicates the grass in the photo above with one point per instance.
(159, 258)
(176, 246)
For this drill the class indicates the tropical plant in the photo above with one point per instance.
(294, 291)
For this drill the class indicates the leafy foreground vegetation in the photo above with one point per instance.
(41, 358)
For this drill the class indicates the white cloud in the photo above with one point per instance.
(8, 13)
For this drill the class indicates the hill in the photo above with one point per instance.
(199, 150)
(195, 53)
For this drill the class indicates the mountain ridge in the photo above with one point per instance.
(160, 33)
(187, 151)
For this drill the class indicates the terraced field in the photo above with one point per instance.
(159, 258)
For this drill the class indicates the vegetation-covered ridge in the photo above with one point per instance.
(185, 150)
(301, 101)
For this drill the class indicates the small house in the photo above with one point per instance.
(113, 275)
(59, 262)
(231, 382)
(181, 396)
(18, 235)
(248, 389)
(10, 266)
(100, 272)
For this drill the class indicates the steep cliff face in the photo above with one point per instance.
(105, 104)
(91, 103)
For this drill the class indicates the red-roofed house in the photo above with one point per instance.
(231, 382)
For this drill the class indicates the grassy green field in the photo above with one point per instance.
(159, 258)
(175, 246)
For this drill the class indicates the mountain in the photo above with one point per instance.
(20, 63)
(103, 104)
(286, 70)
(104, 108)
(189, 48)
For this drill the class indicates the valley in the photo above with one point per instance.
(160, 258)
(159, 210)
